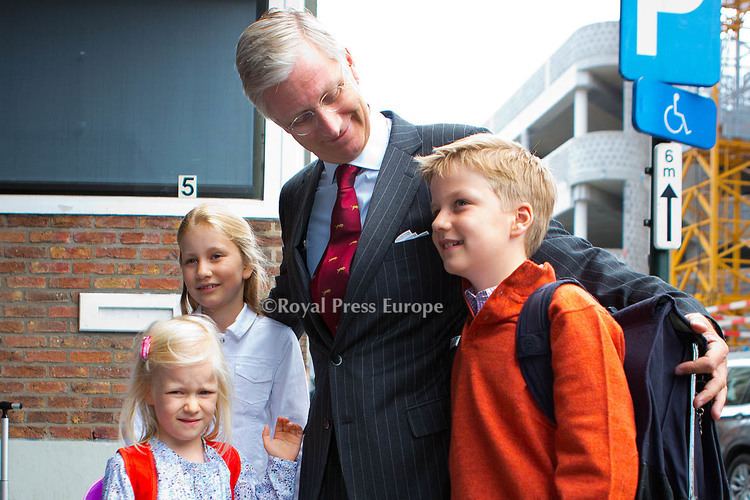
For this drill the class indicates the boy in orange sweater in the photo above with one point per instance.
(492, 201)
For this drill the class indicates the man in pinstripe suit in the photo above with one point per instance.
(379, 420)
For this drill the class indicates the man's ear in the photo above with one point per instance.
(523, 219)
(352, 67)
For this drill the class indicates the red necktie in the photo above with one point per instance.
(328, 284)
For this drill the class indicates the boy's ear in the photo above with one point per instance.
(524, 218)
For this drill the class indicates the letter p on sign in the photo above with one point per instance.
(648, 11)
(673, 41)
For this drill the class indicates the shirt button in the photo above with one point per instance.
(326, 424)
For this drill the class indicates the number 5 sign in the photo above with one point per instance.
(187, 186)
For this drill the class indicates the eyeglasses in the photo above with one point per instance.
(331, 101)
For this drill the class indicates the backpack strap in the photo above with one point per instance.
(141, 470)
(232, 458)
(533, 346)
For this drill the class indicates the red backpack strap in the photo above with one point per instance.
(232, 458)
(141, 469)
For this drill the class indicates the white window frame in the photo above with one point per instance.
(283, 158)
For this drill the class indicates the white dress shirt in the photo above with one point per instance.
(319, 226)
(269, 380)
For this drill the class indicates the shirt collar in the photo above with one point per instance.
(372, 156)
(513, 290)
(478, 299)
(242, 324)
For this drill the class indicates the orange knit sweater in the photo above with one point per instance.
(502, 445)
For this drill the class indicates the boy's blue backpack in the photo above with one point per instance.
(657, 338)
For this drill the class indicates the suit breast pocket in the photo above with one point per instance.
(411, 271)
(415, 248)
(253, 380)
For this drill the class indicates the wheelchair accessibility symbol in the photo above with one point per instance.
(672, 115)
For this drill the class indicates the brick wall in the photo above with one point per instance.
(71, 383)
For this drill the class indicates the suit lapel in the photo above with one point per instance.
(299, 237)
(298, 272)
(395, 188)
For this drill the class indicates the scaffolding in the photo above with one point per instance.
(713, 262)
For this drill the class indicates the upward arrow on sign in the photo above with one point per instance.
(669, 194)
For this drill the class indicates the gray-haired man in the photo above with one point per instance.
(379, 421)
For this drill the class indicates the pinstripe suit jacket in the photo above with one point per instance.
(383, 382)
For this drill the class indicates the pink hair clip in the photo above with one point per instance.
(145, 347)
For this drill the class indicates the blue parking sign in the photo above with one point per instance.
(675, 41)
(674, 114)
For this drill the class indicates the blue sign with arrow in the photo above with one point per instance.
(674, 114)
(675, 41)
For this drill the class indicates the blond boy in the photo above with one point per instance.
(492, 201)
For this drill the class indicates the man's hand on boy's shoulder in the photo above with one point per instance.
(713, 363)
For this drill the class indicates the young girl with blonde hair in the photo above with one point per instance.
(179, 399)
(224, 278)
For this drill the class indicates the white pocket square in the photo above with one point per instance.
(409, 235)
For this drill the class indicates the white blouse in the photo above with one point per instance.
(269, 381)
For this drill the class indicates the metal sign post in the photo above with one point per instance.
(5, 407)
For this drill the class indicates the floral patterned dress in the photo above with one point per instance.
(180, 479)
